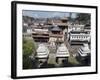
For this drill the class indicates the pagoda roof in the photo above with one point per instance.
(55, 28)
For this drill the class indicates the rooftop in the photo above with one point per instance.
(55, 28)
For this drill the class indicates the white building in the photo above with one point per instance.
(29, 30)
(78, 36)
(41, 30)
(25, 24)
(75, 27)
(84, 50)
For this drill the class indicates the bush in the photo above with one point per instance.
(29, 48)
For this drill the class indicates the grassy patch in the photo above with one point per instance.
(72, 60)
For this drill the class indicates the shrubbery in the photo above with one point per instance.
(29, 48)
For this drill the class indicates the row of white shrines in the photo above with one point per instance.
(62, 51)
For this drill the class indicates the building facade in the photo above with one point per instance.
(79, 37)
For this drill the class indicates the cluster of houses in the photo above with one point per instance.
(57, 31)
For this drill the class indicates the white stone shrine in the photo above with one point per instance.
(84, 50)
(42, 51)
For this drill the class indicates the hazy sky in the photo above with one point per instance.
(47, 14)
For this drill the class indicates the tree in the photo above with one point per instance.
(83, 18)
(28, 49)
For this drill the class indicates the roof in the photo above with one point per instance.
(64, 18)
(55, 28)
(78, 32)
(61, 24)
(87, 26)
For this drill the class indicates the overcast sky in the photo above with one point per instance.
(46, 14)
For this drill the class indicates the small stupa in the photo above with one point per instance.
(62, 54)
(42, 51)
(84, 50)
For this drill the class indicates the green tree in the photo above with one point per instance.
(83, 18)
(29, 48)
